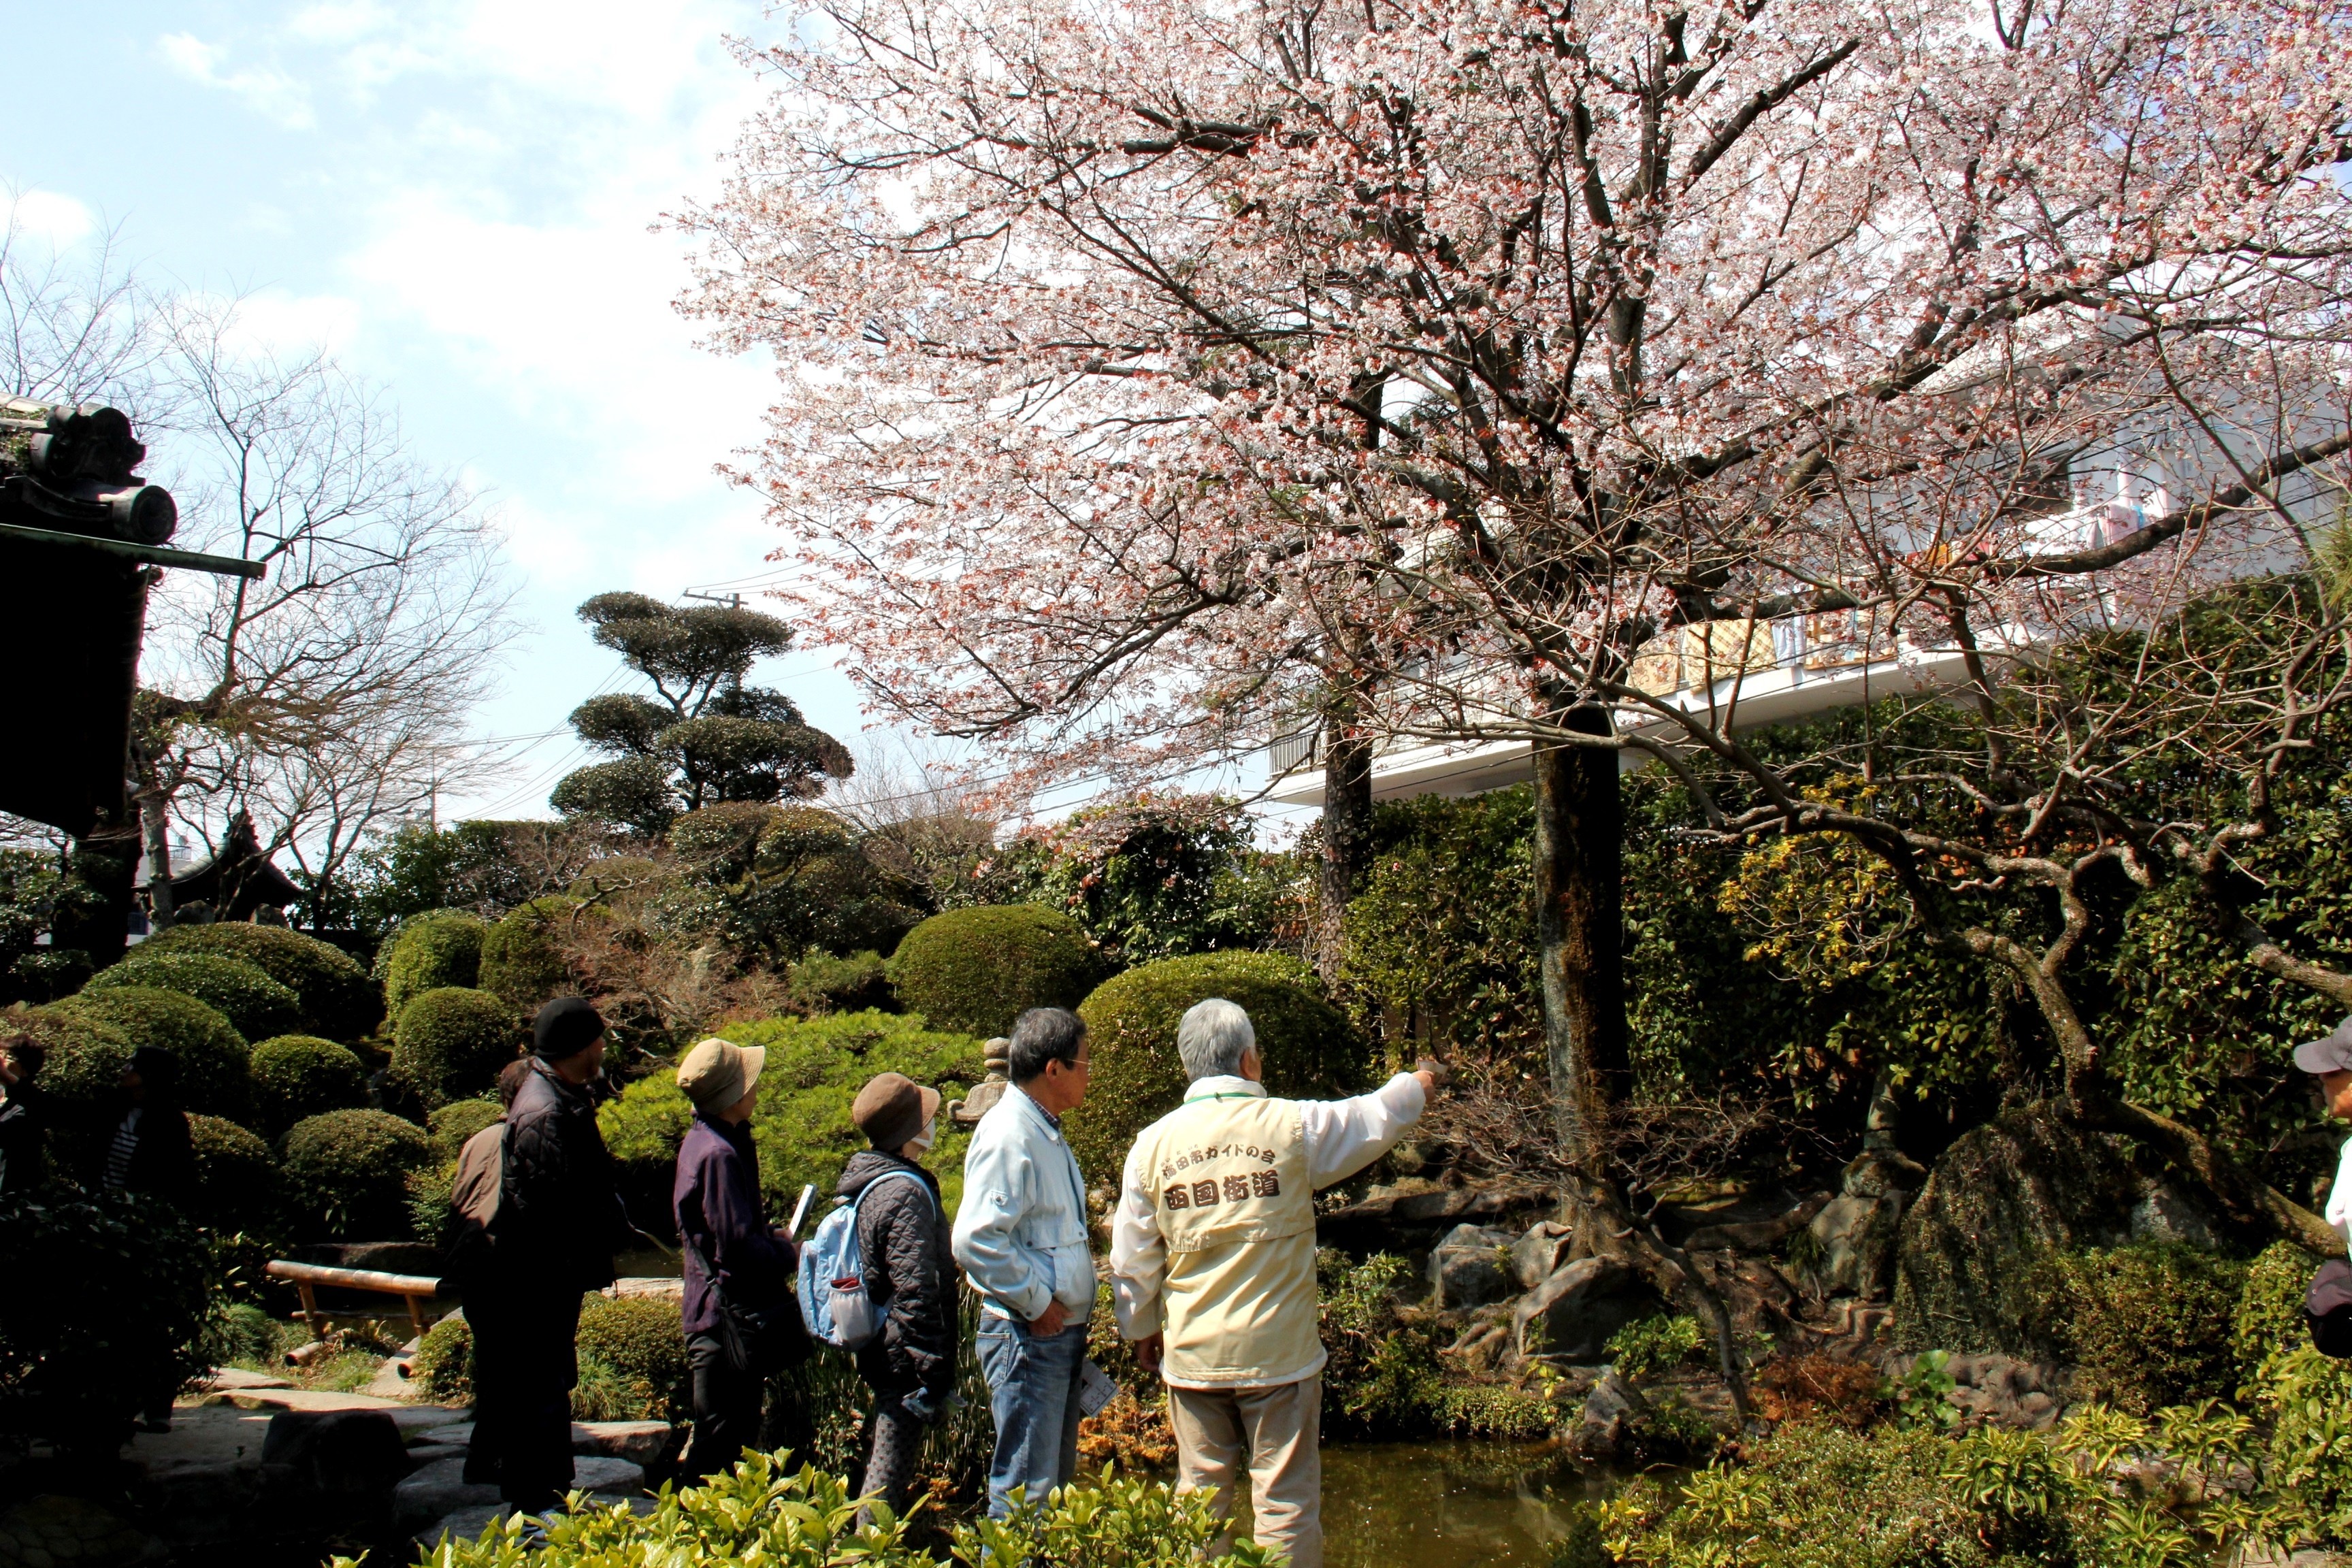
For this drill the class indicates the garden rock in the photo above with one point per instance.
(1547, 1247)
(1465, 1269)
(2028, 1182)
(333, 1451)
(440, 1488)
(462, 1524)
(1612, 1406)
(1572, 1314)
(642, 1443)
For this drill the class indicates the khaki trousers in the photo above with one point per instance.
(1280, 1429)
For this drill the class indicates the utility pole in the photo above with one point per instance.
(732, 601)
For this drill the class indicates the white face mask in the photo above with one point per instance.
(923, 1140)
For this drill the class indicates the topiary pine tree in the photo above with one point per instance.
(704, 737)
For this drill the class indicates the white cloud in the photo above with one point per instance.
(264, 89)
(276, 321)
(59, 220)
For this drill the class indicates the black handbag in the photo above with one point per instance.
(759, 1341)
(2328, 1306)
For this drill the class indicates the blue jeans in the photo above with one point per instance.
(1033, 1394)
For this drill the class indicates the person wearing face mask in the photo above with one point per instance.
(910, 1277)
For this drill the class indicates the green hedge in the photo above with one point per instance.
(237, 1184)
(451, 1042)
(108, 1298)
(801, 1122)
(523, 955)
(212, 1055)
(457, 1121)
(257, 1005)
(347, 1174)
(338, 1000)
(1308, 1045)
(642, 1342)
(633, 1364)
(432, 952)
(976, 970)
(299, 1076)
(86, 1057)
(773, 1510)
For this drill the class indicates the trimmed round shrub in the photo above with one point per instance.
(210, 1053)
(347, 1174)
(300, 1076)
(458, 1121)
(86, 1056)
(643, 1342)
(976, 970)
(236, 1178)
(443, 1370)
(1136, 1077)
(451, 1042)
(523, 955)
(432, 953)
(339, 1002)
(256, 1005)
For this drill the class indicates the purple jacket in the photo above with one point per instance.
(717, 1203)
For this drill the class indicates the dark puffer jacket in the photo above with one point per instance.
(911, 1270)
(560, 1218)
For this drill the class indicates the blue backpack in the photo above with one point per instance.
(834, 1303)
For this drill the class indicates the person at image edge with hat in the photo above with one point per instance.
(558, 1223)
(2329, 1059)
(910, 1277)
(733, 1256)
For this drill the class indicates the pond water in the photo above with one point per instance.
(1448, 1505)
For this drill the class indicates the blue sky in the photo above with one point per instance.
(457, 197)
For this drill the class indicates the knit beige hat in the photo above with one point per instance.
(717, 1073)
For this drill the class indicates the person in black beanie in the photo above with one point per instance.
(558, 1223)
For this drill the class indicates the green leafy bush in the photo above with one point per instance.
(2194, 1485)
(762, 1513)
(299, 1076)
(338, 1000)
(458, 1121)
(108, 1295)
(256, 1005)
(347, 1174)
(1386, 1375)
(212, 1055)
(977, 969)
(432, 952)
(643, 1342)
(801, 1122)
(451, 1042)
(237, 1184)
(242, 1335)
(1307, 1045)
(522, 959)
(823, 983)
(2146, 1325)
(1648, 1346)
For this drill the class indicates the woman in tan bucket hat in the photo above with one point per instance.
(734, 1258)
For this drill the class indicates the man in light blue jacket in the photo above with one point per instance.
(1021, 1240)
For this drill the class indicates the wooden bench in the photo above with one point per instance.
(414, 1289)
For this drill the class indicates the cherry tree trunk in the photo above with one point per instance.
(1580, 857)
(1579, 861)
(1347, 839)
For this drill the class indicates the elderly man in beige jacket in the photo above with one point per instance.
(1212, 1267)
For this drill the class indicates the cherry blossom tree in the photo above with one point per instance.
(1153, 373)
